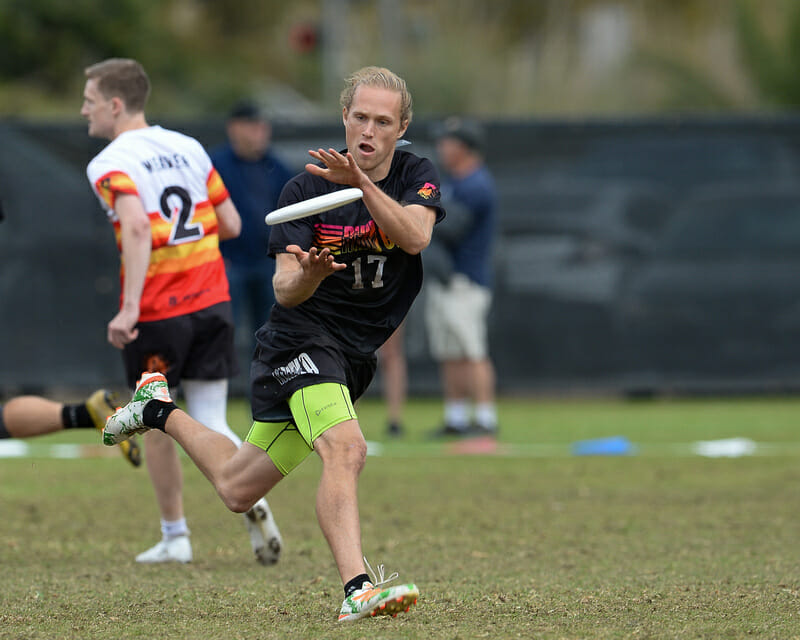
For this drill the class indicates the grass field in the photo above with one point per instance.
(526, 542)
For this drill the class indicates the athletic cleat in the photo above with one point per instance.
(131, 451)
(177, 549)
(373, 600)
(127, 421)
(264, 535)
(480, 430)
(101, 404)
(394, 429)
(377, 601)
(451, 431)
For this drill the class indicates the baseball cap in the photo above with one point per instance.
(467, 131)
(245, 110)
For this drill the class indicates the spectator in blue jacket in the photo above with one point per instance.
(254, 176)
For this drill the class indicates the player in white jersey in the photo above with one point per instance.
(155, 159)
(169, 209)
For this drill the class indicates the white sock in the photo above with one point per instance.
(174, 528)
(486, 415)
(456, 414)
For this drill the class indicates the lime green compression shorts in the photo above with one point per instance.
(315, 409)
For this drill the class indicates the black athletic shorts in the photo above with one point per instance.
(285, 362)
(195, 346)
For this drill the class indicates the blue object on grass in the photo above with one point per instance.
(612, 446)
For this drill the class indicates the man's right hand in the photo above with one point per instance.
(122, 328)
(317, 265)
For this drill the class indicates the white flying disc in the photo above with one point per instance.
(313, 206)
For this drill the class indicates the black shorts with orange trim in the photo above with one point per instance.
(195, 346)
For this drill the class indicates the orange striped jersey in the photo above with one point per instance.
(178, 186)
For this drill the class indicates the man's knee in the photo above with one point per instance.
(342, 447)
(355, 454)
(235, 497)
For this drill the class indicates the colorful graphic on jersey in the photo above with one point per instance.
(217, 192)
(186, 272)
(341, 239)
(428, 191)
(113, 183)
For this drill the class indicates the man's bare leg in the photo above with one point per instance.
(166, 474)
(241, 475)
(456, 385)
(394, 378)
(27, 416)
(483, 394)
(343, 451)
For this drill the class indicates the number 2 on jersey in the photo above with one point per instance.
(183, 230)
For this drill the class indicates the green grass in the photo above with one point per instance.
(536, 543)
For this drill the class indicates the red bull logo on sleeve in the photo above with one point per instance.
(428, 191)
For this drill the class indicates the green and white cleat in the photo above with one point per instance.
(128, 420)
(377, 601)
(373, 599)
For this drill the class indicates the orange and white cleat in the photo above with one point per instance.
(376, 600)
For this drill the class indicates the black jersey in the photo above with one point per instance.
(361, 306)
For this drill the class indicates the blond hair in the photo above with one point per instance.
(123, 78)
(381, 78)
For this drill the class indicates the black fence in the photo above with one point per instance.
(633, 257)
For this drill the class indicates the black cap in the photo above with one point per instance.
(467, 131)
(245, 110)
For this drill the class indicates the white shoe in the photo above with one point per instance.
(264, 535)
(177, 549)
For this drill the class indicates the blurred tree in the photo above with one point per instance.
(44, 41)
(506, 57)
(200, 54)
(47, 43)
(772, 63)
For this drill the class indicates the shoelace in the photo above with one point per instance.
(378, 579)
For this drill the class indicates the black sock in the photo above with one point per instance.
(76, 416)
(355, 584)
(156, 412)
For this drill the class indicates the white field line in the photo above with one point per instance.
(24, 449)
(12, 448)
